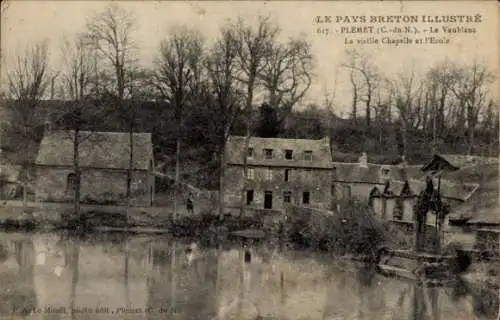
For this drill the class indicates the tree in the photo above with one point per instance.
(76, 81)
(28, 81)
(439, 80)
(407, 91)
(111, 34)
(27, 84)
(225, 93)
(286, 75)
(254, 48)
(364, 77)
(268, 126)
(471, 89)
(178, 80)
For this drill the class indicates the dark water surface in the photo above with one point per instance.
(53, 276)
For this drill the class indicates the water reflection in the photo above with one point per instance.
(108, 277)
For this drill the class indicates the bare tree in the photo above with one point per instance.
(471, 89)
(225, 92)
(111, 34)
(28, 81)
(439, 81)
(287, 74)
(76, 84)
(407, 96)
(178, 76)
(254, 48)
(362, 66)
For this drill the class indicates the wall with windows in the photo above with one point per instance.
(299, 186)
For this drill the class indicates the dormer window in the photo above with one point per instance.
(250, 153)
(308, 155)
(268, 154)
(289, 154)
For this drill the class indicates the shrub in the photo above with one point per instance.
(355, 230)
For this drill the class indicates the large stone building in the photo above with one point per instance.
(279, 171)
(392, 190)
(104, 162)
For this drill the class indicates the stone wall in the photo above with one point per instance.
(316, 182)
(96, 185)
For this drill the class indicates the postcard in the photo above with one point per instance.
(249, 160)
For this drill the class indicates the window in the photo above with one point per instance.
(287, 175)
(397, 214)
(269, 175)
(289, 154)
(347, 192)
(305, 197)
(308, 175)
(268, 153)
(287, 197)
(308, 155)
(70, 182)
(249, 197)
(250, 153)
(268, 199)
(250, 174)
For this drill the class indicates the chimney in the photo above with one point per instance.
(385, 174)
(363, 160)
(326, 141)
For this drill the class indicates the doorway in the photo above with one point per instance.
(268, 200)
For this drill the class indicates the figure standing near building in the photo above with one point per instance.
(189, 204)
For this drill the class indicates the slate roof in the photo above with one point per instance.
(439, 163)
(482, 207)
(374, 173)
(461, 160)
(321, 152)
(108, 150)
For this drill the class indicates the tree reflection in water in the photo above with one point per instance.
(17, 296)
(198, 285)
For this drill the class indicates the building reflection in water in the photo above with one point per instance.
(170, 279)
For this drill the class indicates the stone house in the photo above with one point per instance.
(104, 162)
(280, 171)
(392, 190)
(394, 202)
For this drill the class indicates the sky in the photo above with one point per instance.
(25, 22)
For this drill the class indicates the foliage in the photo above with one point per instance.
(268, 126)
(354, 230)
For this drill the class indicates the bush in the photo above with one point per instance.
(354, 230)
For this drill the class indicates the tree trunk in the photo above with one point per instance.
(368, 110)
(76, 165)
(177, 174)
(249, 110)
(222, 182)
(405, 141)
(130, 163)
(470, 129)
(354, 100)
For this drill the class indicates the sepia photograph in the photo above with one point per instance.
(233, 160)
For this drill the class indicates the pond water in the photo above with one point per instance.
(54, 276)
